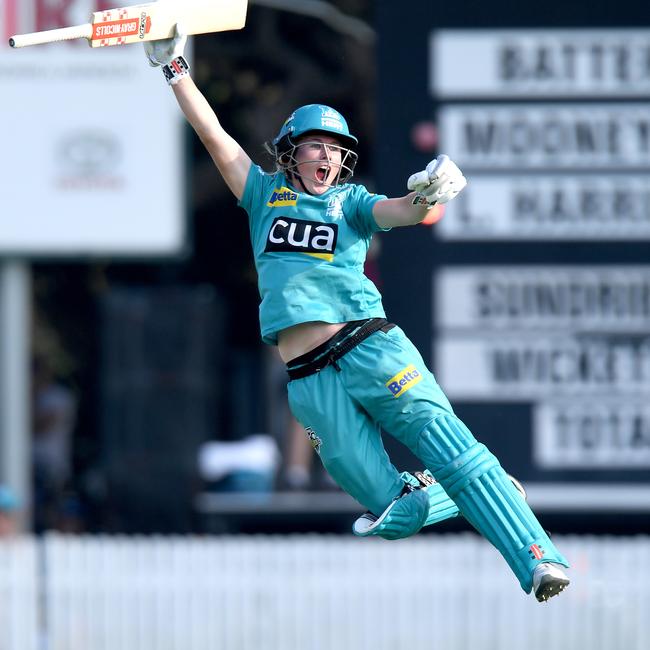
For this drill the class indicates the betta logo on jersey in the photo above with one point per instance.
(404, 380)
(282, 198)
(288, 235)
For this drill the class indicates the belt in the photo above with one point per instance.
(328, 353)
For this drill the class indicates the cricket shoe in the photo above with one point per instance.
(440, 506)
(548, 581)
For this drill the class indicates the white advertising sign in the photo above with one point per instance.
(536, 63)
(92, 158)
(546, 136)
(599, 433)
(550, 207)
(562, 298)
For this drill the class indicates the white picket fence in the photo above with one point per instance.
(18, 594)
(316, 593)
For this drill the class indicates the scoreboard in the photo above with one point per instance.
(531, 298)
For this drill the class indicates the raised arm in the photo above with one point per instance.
(231, 160)
(440, 182)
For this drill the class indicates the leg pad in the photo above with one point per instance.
(476, 482)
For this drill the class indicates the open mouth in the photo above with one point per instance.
(322, 173)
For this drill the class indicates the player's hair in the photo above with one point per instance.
(269, 150)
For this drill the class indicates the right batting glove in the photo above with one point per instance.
(168, 53)
(440, 182)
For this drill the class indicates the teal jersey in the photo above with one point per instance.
(309, 252)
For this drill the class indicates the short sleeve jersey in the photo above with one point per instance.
(310, 252)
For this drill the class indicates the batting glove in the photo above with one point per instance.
(168, 53)
(440, 182)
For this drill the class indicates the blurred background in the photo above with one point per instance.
(136, 397)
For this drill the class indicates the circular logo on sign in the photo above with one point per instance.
(89, 152)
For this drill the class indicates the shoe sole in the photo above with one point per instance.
(550, 586)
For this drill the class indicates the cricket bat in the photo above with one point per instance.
(146, 22)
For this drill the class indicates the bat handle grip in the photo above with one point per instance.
(52, 36)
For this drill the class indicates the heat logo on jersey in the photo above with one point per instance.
(404, 380)
(288, 235)
(282, 198)
(335, 207)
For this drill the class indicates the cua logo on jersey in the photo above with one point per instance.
(404, 380)
(282, 198)
(314, 238)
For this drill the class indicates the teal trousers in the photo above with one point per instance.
(383, 383)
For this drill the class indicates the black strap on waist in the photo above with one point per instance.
(333, 349)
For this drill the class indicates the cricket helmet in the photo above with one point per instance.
(315, 118)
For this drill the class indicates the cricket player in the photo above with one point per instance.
(351, 371)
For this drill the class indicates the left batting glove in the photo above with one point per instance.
(168, 53)
(440, 182)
